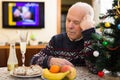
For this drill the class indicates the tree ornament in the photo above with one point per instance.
(108, 31)
(118, 26)
(100, 73)
(107, 24)
(117, 7)
(104, 43)
(96, 53)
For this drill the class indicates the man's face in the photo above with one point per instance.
(73, 20)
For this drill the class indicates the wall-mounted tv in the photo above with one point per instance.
(17, 14)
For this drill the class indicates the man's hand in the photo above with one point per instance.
(60, 62)
(87, 23)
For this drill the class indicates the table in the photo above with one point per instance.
(82, 74)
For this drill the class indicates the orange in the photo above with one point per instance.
(54, 68)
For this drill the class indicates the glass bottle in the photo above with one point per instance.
(12, 59)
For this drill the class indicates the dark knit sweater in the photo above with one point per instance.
(61, 47)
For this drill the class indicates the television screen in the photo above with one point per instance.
(23, 14)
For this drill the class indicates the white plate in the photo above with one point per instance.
(24, 76)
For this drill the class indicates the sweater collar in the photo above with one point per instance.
(77, 40)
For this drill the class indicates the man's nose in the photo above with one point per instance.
(71, 25)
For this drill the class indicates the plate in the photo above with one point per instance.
(24, 76)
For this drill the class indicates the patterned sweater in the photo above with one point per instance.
(61, 47)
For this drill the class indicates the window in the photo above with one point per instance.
(105, 5)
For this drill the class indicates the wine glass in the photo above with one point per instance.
(23, 38)
(23, 51)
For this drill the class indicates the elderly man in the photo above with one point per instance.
(68, 48)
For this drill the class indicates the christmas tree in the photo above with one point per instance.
(106, 44)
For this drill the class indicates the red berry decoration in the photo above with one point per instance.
(100, 73)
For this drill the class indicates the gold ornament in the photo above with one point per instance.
(118, 7)
(107, 24)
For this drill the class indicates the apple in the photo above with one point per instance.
(65, 68)
(72, 70)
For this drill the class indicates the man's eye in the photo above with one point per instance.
(76, 22)
(68, 20)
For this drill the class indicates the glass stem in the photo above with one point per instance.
(23, 59)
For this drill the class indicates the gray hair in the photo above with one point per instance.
(86, 6)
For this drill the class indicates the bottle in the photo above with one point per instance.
(12, 59)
